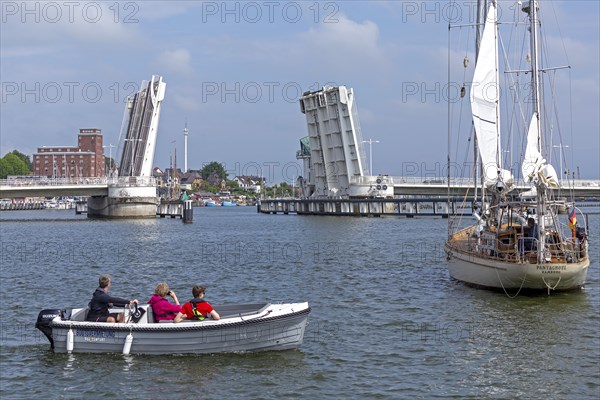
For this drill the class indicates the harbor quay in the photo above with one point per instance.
(409, 208)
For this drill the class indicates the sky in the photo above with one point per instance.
(235, 71)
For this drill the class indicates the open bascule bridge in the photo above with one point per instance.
(335, 181)
(129, 191)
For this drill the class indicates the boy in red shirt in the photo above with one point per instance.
(197, 309)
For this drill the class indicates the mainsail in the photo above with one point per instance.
(485, 107)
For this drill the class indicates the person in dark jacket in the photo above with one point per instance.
(101, 301)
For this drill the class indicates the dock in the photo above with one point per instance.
(408, 208)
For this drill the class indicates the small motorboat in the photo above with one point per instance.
(242, 328)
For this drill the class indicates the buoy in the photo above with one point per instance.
(127, 345)
(70, 340)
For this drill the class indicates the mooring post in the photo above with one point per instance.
(188, 212)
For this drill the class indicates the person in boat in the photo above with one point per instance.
(163, 309)
(197, 309)
(101, 301)
(531, 235)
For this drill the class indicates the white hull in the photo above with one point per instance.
(497, 274)
(272, 327)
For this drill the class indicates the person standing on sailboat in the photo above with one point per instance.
(532, 235)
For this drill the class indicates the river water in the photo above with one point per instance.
(386, 321)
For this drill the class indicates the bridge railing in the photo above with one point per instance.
(110, 181)
(465, 182)
(132, 181)
(54, 181)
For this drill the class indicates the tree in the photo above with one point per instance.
(23, 157)
(216, 167)
(210, 188)
(4, 172)
(12, 165)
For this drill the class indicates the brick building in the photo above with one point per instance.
(84, 160)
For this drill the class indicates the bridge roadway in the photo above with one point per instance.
(460, 186)
(403, 186)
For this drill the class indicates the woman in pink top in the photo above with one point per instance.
(162, 308)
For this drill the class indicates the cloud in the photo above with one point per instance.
(343, 44)
(177, 61)
(64, 26)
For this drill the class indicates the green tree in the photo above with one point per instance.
(24, 158)
(4, 169)
(211, 167)
(210, 188)
(12, 165)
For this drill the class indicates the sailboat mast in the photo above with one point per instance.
(535, 84)
(481, 14)
(481, 11)
(535, 68)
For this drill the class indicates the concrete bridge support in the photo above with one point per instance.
(124, 202)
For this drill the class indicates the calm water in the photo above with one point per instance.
(387, 321)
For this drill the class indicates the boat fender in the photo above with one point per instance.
(127, 345)
(70, 341)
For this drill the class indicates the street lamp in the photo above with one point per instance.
(560, 147)
(371, 141)
(110, 147)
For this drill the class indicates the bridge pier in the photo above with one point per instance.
(135, 198)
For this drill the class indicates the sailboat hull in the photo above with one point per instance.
(492, 273)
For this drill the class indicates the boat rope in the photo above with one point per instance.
(551, 287)
(503, 288)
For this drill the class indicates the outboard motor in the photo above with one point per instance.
(44, 319)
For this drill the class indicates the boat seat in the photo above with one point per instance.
(150, 315)
(80, 315)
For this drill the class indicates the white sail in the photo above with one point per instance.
(485, 106)
(533, 158)
(535, 168)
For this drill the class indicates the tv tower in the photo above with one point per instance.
(185, 150)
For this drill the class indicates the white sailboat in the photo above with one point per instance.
(518, 241)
